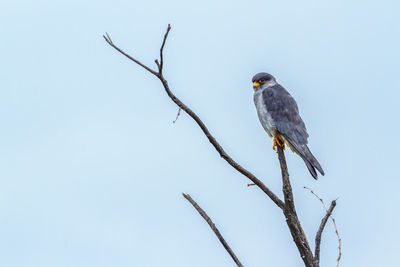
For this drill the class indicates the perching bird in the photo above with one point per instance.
(279, 115)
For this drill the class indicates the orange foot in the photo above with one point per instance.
(277, 142)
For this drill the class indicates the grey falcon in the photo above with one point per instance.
(279, 115)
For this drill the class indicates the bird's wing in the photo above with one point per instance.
(284, 112)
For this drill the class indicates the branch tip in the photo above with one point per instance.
(110, 42)
(108, 38)
(160, 66)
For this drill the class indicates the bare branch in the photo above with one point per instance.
(298, 234)
(214, 228)
(320, 199)
(322, 226)
(219, 148)
(321, 229)
(108, 40)
(200, 123)
(177, 115)
(162, 48)
(158, 64)
(339, 240)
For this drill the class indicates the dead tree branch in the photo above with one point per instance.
(322, 226)
(320, 230)
(162, 49)
(177, 115)
(214, 228)
(339, 241)
(110, 42)
(298, 234)
(196, 118)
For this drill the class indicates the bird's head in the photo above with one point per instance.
(262, 80)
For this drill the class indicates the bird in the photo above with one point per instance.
(279, 115)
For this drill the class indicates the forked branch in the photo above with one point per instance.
(196, 118)
(110, 42)
(318, 236)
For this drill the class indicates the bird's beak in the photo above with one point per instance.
(256, 84)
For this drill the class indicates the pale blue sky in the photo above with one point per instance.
(92, 167)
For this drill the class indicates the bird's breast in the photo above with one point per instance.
(263, 114)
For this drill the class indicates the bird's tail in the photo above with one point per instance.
(304, 152)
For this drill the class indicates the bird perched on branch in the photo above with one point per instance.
(279, 115)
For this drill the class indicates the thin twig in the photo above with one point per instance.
(177, 115)
(292, 220)
(108, 37)
(157, 63)
(214, 228)
(108, 40)
(201, 124)
(162, 48)
(339, 241)
(320, 199)
(321, 228)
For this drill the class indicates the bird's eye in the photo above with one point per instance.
(261, 81)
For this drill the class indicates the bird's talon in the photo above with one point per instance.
(276, 142)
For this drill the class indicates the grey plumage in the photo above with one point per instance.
(279, 115)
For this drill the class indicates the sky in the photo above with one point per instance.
(92, 167)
